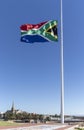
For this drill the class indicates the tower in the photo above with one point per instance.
(13, 108)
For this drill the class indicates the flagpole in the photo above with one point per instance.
(62, 67)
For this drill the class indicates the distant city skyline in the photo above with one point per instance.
(30, 73)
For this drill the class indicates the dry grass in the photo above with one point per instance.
(8, 123)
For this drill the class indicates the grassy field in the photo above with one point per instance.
(79, 129)
(8, 123)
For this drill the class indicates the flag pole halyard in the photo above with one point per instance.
(62, 67)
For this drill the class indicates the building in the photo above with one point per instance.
(1, 115)
(13, 110)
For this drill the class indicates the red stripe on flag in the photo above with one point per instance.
(27, 27)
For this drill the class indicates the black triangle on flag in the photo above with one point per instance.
(53, 30)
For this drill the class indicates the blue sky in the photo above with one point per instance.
(30, 73)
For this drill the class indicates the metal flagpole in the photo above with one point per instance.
(62, 68)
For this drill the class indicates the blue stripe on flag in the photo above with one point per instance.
(33, 38)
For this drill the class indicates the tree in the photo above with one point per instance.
(41, 117)
(10, 116)
(47, 118)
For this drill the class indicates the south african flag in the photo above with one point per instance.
(42, 32)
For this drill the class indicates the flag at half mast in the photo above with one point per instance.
(42, 32)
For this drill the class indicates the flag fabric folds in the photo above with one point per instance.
(42, 32)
